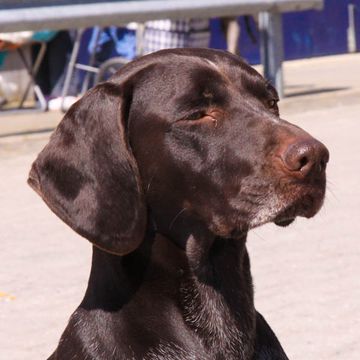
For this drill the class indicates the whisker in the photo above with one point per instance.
(258, 235)
(329, 188)
(175, 217)
(148, 186)
(333, 194)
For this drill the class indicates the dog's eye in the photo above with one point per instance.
(201, 117)
(273, 107)
(272, 103)
(195, 115)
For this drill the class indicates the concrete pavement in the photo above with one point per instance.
(306, 276)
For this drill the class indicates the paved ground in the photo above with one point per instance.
(306, 276)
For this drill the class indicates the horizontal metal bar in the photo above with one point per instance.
(87, 68)
(16, 15)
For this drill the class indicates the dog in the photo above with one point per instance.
(165, 168)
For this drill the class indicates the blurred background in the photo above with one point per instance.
(306, 276)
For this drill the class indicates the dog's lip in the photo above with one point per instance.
(284, 222)
(307, 206)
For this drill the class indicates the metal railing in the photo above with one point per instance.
(19, 15)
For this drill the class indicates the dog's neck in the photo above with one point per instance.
(213, 304)
(207, 277)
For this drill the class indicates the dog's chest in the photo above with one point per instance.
(231, 347)
(172, 351)
(219, 331)
(217, 314)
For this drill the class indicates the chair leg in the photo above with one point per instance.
(32, 71)
(41, 98)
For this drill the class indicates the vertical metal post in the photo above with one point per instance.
(139, 35)
(71, 67)
(85, 84)
(351, 30)
(271, 50)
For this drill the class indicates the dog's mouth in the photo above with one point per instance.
(293, 201)
(307, 205)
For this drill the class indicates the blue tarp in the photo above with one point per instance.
(306, 34)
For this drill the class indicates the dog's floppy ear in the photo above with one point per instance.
(87, 174)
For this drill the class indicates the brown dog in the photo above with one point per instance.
(165, 168)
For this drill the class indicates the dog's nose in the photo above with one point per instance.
(304, 157)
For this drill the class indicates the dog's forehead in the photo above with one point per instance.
(211, 72)
(183, 80)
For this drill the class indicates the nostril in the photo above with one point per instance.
(303, 162)
(321, 157)
(303, 157)
(324, 157)
(322, 165)
(297, 156)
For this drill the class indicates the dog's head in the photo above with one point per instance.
(192, 136)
